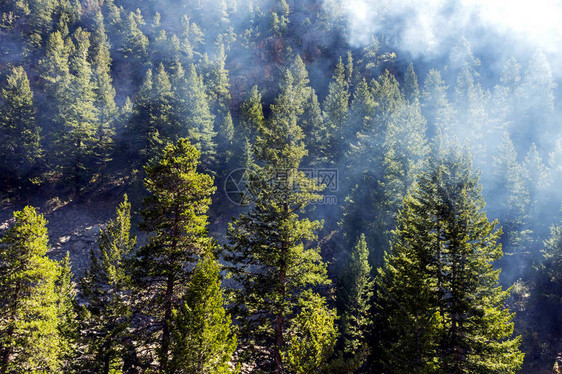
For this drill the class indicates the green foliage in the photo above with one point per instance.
(411, 89)
(104, 94)
(355, 294)
(312, 334)
(203, 340)
(20, 149)
(193, 111)
(439, 307)
(336, 111)
(251, 113)
(35, 305)
(106, 287)
(175, 215)
(269, 245)
(435, 105)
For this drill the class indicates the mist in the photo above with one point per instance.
(428, 30)
(379, 84)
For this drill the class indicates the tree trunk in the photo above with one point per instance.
(166, 325)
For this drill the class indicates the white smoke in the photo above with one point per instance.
(426, 28)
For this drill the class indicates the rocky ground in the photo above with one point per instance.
(73, 226)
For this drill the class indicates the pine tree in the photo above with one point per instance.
(540, 321)
(34, 302)
(438, 303)
(175, 214)
(511, 205)
(77, 118)
(20, 149)
(309, 114)
(355, 291)
(471, 116)
(251, 113)
(135, 44)
(336, 106)
(362, 110)
(313, 336)
(55, 72)
(104, 94)
(270, 250)
(535, 181)
(435, 105)
(67, 317)
(279, 18)
(411, 89)
(316, 133)
(215, 76)
(300, 81)
(106, 288)
(157, 117)
(202, 339)
(387, 155)
(534, 103)
(143, 132)
(193, 111)
(404, 150)
(225, 140)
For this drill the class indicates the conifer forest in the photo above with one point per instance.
(280, 186)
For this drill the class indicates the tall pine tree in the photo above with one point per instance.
(271, 248)
(439, 305)
(20, 149)
(203, 340)
(107, 291)
(175, 214)
(34, 299)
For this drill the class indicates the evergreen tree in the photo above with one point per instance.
(411, 89)
(143, 132)
(435, 105)
(540, 321)
(273, 260)
(106, 288)
(405, 150)
(510, 205)
(34, 302)
(202, 340)
(55, 72)
(355, 291)
(439, 306)
(362, 110)
(135, 43)
(313, 336)
(336, 106)
(471, 116)
(225, 140)
(534, 103)
(104, 94)
(175, 215)
(535, 183)
(156, 117)
(78, 118)
(215, 76)
(67, 317)
(193, 111)
(300, 80)
(316, 133)
(251, 113)
(388, 156)
(20, 149)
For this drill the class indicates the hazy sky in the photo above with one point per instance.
(426, 28)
